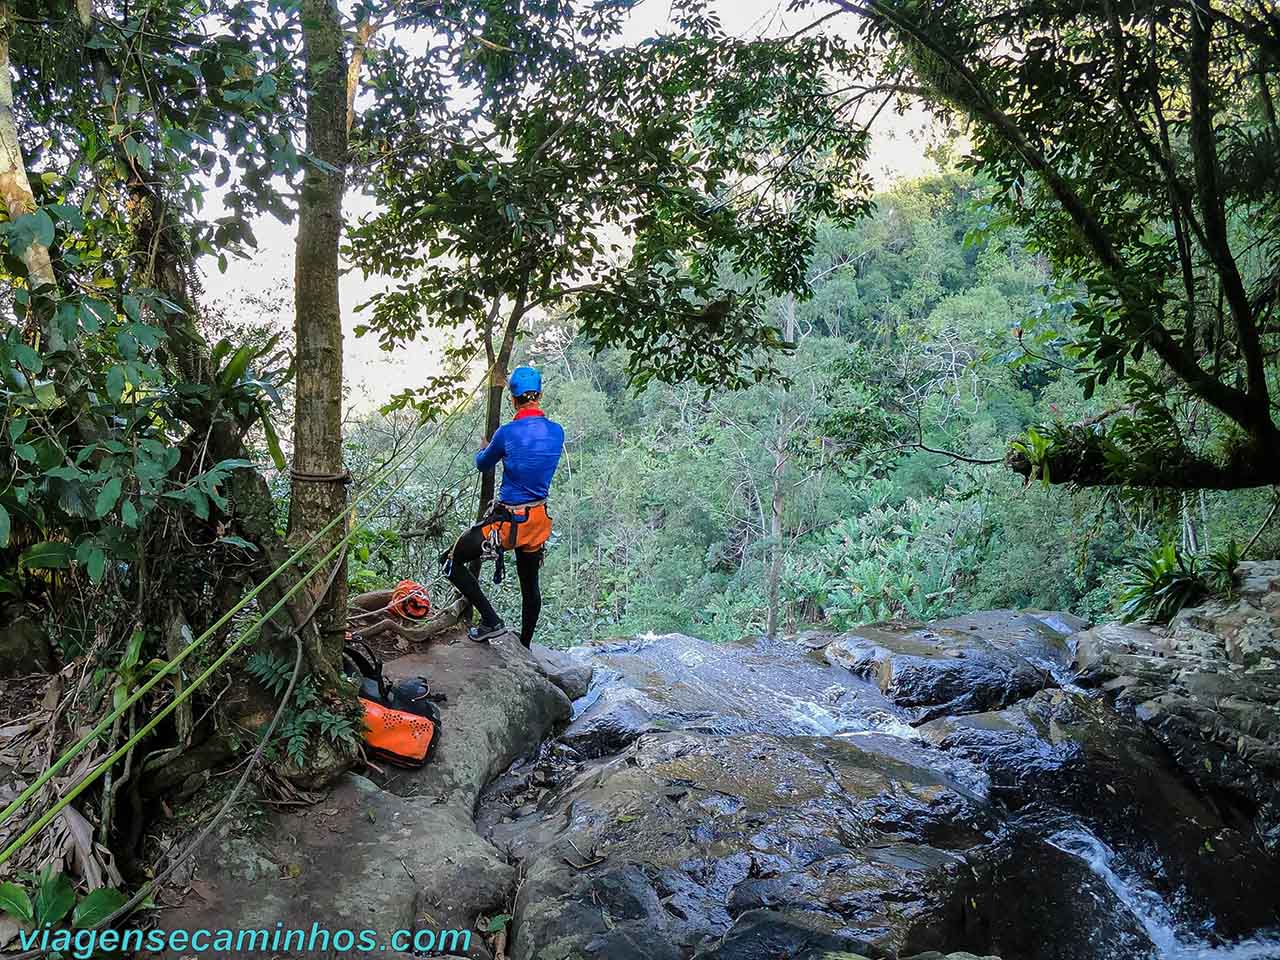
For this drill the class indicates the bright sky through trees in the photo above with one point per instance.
(373, 375)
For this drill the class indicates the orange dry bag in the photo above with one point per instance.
(401, 720)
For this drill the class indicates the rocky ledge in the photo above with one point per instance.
(1006, 784)
(1208, 688)
(397, 850)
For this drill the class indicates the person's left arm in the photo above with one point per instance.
(488, 458)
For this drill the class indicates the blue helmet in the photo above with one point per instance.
(524, 380)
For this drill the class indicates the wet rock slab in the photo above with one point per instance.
(964, 665)
(1065, 761)
(757, 845)
(675, 682)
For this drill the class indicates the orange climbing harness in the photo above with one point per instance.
(524, 527)
(409, 600)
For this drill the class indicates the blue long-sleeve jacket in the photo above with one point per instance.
(529, 447)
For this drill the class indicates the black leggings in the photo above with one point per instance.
(468, 549)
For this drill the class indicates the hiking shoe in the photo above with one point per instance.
(485, 632)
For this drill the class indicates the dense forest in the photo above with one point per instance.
(872, 474)
(1043, 376)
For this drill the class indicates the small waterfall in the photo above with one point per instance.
(1151, 911)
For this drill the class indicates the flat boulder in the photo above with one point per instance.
(756, 845)
(940, 670)
(500, 706)
(363, 859)
(402, 853)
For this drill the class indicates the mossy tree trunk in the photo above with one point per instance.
(319, 492)
(15, 187)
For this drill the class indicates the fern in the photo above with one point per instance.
(271, 671)
(339, 729)
(307, 719)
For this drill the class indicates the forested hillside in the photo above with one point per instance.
(929, 330)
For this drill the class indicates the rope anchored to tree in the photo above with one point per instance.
(422, 449)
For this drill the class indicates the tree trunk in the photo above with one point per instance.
(773, 586)
(492, 420)
(318, 490)
(15, 187)
(253, 511)
(499, 363)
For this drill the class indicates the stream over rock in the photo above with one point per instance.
(885, 793)
(899, 791)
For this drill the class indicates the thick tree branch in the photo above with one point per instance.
(1086, 466)
(364, 34)
(1236, 404)
(1204, 146)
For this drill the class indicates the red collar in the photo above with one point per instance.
(528, 412)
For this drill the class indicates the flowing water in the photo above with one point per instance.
(789, 690)
(1152, 912)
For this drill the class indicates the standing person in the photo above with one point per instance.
(529, 447)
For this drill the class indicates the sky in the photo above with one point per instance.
(373, 375)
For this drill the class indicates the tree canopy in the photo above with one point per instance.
(657, 190)
(1136, 145)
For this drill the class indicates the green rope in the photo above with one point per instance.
(169, 667)
(151, 724)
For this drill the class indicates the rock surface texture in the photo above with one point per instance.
(402, 853)
(1005, 784)
(1208, 688)
(900, 790)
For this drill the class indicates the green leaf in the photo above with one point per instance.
(17, 427)
(498, 923)
(235, 367)
(115, 383)
(4, 527)
(30, 228)
(27, 357)
(138, 152)
(273, 440)
(47, 555)
(46, 397)
(97, 564)
(108, 497)
(95, 313)
(97, 906)
(199, 502)
(54, 897)
(237, 542)
(25, 451)
(15, 902)
(68, 215)
(129, 514)
(132, 651)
